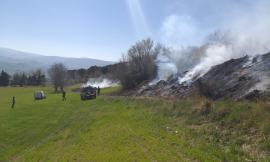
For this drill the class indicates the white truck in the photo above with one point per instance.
(39, 95)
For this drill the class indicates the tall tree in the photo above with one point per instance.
(4, 78)
(38, 77)
(19, 79)
(58, 74)
(138, 65)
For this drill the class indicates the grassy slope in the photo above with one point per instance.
(122, 129)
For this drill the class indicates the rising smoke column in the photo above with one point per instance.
(243, 31)
(166, 67)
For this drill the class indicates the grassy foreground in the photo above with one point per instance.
(126, 129)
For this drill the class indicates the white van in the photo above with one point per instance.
(39, 95)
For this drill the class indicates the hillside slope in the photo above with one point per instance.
(12, 60)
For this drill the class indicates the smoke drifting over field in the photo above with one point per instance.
(101, 82)
(242, 32)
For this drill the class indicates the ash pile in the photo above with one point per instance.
(237, 79)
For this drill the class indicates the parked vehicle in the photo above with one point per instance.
(39, 95)
(88, 93)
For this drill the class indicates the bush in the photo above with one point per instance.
(4, 79)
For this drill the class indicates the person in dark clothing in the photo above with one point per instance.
(98, 90)
(64, 96)
(13, 102)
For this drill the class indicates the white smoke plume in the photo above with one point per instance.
(166, 67)
(242, 32)
(215, 54)
(101, 82)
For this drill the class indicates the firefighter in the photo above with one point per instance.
(98, 90)
(64, 96)
(13, 102)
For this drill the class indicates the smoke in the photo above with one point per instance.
(262, 85)
(215, 54)
(179, 31)
(101, 82)
(243, 31)
(166, 66)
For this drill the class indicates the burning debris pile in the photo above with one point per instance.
(238, 78)
(243, 78)
(168, 89)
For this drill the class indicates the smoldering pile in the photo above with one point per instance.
(247, 77)
(225, 61)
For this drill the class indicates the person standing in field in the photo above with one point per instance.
(98, 90)
(64, 96)
(13, 102)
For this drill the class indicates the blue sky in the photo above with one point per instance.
(104, 29)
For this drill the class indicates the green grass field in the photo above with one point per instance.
(128, 129)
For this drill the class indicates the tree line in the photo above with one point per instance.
(57, 77)
(35, 78)
(82, 75)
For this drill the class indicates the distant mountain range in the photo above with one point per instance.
(15, 61)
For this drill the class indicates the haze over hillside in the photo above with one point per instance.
(13, 60)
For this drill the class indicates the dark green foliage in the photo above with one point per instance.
(19, 79)
(82, 75)
(36, 78)
(4, 79)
